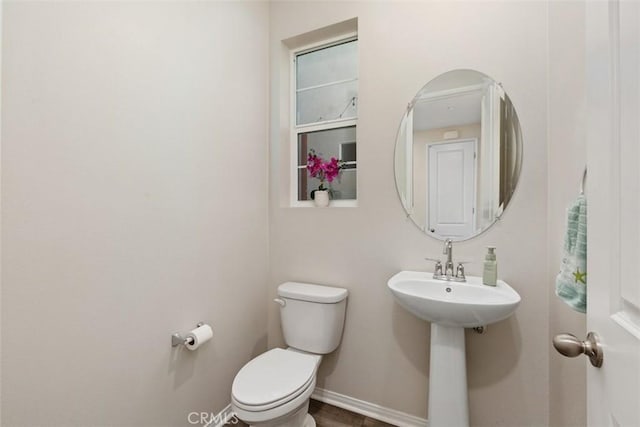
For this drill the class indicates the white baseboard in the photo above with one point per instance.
(352, 404)
(368, 409)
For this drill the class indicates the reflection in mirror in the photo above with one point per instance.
(458, 155)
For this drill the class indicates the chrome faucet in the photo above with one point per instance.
(448, 251)
(449, 274)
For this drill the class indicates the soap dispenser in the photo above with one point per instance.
(490, 273)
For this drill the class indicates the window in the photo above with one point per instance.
(325, 101)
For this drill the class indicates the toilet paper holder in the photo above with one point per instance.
(178, 338)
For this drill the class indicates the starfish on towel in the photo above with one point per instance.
(580, 277)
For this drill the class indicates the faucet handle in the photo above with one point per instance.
(437, 270)
(460, 277)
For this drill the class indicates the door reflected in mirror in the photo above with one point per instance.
(458, 155)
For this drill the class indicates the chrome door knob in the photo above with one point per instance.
(569, 345)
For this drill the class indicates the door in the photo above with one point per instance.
(451, 188)
(490, 153)
(613, 152)
(404, 162)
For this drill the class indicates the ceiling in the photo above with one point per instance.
(447, 112)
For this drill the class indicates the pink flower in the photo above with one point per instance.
(320, 169)
(314, 164)
(331, 169)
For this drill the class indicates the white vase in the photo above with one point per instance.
(321, 198)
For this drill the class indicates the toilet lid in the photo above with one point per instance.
(273, 376)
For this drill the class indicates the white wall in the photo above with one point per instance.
(134, 205)
(1, 37)
(566, 159)
(123, 125)
(384, 353)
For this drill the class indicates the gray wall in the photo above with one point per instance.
(124, 124)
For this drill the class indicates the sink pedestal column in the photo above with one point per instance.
(448, 401)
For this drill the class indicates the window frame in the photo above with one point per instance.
(295, 130)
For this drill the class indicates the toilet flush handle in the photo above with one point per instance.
(280, 301)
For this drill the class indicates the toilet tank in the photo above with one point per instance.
(312, 316)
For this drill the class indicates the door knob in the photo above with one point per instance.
(569, 345)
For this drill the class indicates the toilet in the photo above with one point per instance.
(273, 389)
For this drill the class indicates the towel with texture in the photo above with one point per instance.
(571, 283)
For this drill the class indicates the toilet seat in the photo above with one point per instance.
(270, 416)
(273, 379)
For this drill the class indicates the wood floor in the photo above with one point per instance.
(331, 416)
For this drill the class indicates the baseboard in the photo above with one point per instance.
(368, 409)
(224, 417)
(352, 404)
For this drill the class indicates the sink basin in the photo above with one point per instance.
(466, 305)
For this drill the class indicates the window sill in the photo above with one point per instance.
(334, 204)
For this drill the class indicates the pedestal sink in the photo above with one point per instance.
(451, 307)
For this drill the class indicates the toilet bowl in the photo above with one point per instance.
(274, 386)
(273, 389)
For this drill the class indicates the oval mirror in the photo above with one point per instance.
(458, 155)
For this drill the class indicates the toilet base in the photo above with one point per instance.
(299, 418)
